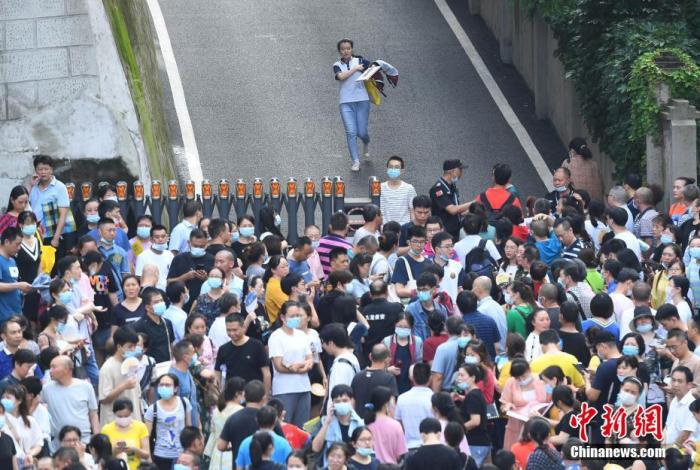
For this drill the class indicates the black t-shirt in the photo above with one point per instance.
(160, 336)
(7, 451)
(474, 403)
(366, 381)
(575, 344)
(605, 381)
(245, 361)
(184, 262)
(344, 432)
(122, 315)
(238, 426)
(381, 316)
(443, 195)
(327, 308)
(564, 426)
(103, 284)
(217, 247)
(433, 456)
(239, 248)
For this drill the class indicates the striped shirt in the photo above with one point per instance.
(571, 251)
(397, 203)
(326, 245)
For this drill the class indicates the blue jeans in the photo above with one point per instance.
(355, 119)
(479, 453)
(91, 367)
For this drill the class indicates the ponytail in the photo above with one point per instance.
(377, 400)
(260, 442)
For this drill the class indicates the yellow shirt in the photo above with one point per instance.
(504, 375)
(565, 361)
(132, 437)
(274, 298)
(658, 289)
(593, 365)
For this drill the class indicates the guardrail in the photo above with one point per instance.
(237, 199)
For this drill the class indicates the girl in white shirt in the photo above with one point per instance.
(25, 430)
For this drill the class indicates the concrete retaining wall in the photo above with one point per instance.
(527, 42)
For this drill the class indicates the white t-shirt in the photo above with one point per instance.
(621, 303)
(163, 262)
(625, 320)
(684, 311)
(292, 348)
(631, 241)
(450, 282)
(217, 332)
(397, 203)
(361, 233)
(342, 372)
(597, 232)
(465, 245)
(28, 436)
(380, 265)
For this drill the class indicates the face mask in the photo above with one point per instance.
(455, 179)
(424, 295)
(626, 398)
(351, 254)
(525, 382)
(247, 232)
(315, 243)
(165, 392)
(111, 198)
(123, 422)
(393, 173)
(471, 360)
(197, 252)
(159, 246)
(444, 257)
(342, 409)
(560, 189)
(143, 232)
(294, 322)
(29, 230)
(462, 341)
(65, 297)
(2, 421)
(128, 354)
(644, 328)
(235, 236)
(402, 332)
(548, 389)
(193, 362)
(8, 404)
(669, 292)
(138, 351)
(179, 466)
(278, 220)
(60, 328)
(507, 298)
(630, 350)
(349, 287)
(92, 218)
(159, 309)
(415, 252)
(364, 451)
(215, 282)
(666, 239)
(462, 385)
(694, 252)
(104, 241)
(621, 378)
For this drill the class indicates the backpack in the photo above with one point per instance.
(479, 261)
(493, 213)
(152, 436)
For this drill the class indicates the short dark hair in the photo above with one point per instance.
(430, 426)
(422, 201)
(190, 208)
(10, 234)
(266, 416)
(189, 435)
(124, 335)
(289, 281)
(106, 206)
(501, 173)
(336, 333)
(198, 234)
(122, 404)
(440, 237)
(504, 460)
(340, 390)
(174, 291)
(685, 371)
(569, 311)
(426, 280)
(396, 158)
(43, 159)
(473, 223)
(254, 391)
(24, 356)
(370, 212)
(602, 305)
(454, 325)
(421, 373)
(549, 337)
(336, 252)
(339, 221)
(149, 293)
(467, 301)
(667, 311)
(416, 231)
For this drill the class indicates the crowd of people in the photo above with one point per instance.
(440, 333)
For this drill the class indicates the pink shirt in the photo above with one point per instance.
(315, 265)
(209, 350)
(388, 439)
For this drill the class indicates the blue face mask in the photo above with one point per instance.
(235, 236)
(92, 218)
(349, 288)
(462, 385)
(694, 252)
(364, 451)
(630, 350)
(8, 404)
(560, 189)
(159, 246)
(293, 322)
(106, 242)
(526, 382)
(128, 354)
(193, 362)
(29, 230)
(424, 295)
(247, 232)
(471, 360)
(179, 466)
(138, 351)
(620, 378)
(462, 341)
(143, 232)
(402, 332)
(197, 252)
(644, 328)
(65, 297)
(666, 239)
(60, 328)
(351, 254)
(393, 173)
(548, 389)
(214, 282)
(342, 409)
(159, 308)
(165, 392)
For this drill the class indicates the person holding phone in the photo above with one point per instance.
(128, 435)
(191, 267)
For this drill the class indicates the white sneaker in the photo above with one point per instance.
(365, 150)
(355, 166)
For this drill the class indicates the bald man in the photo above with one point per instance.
(70, 401)
(226, 262)
(379, 373)
(482, 289)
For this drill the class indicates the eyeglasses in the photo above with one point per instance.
(446, 247)
(416, 242)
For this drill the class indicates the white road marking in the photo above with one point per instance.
(506, 110)
(194, 165)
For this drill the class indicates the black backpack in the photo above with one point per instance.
(495, 214)
(479, 261)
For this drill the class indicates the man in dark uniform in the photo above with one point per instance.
(445, 197)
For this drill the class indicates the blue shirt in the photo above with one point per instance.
(187, 389)
(351, 90)
(45, 203)
(445, 361)
(301, 268)
(122, 239)
(11, 301)
(420, 317)
(550, 249)
(279, 455)
(486, 330)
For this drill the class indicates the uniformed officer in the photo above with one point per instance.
(445, 197)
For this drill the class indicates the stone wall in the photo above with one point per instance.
(64, 92)
(527, 42)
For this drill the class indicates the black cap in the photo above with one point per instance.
(448, 165)
(604, 336)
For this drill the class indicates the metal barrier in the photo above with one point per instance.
(330, 199)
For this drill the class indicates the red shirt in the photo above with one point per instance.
(497, 197)
(296, 437)
(431, 344)
(521, 232)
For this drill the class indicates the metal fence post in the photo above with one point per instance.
(223, 199)
(240, 200)
(310, 200)
(257, 202)
(123, 199)
(292, 200)
(156, 202)
(375, 190)
(138, 202)
(326, 203)
(173, 204)
(208, 199)
(276, 195)
(338, 194)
